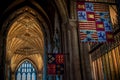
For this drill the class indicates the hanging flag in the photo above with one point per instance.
(51, 65)
(51, 58)
(59, 58)
(59, 64)
(51, 69)
(55, 65)
(94, 22)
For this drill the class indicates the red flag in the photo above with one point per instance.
(94, 22)
(59, 59)
(51, 69)
(99, 7)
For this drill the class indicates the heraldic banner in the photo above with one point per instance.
(94, 22)
(55, 65)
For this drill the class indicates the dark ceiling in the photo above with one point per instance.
(48, 6)
(5, 5)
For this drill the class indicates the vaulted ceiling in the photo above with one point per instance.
(25, 40)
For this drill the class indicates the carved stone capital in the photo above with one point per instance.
(73, 24)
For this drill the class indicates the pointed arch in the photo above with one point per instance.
(26, 34)
(26, 70)
(62, 8)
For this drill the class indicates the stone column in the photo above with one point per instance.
(13, 76)
(87, 64)
(7, 70)
(85, 61)
(2, 59)
(75, 50)
(40, 76)
(70, 65)
(82, 61)
(118, 7)
(46, 50)
(65, 50)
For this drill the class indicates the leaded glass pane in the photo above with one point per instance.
(22, 70)
(23, 76)
(29, 65)
(18, 76)
(28, 76)
(33, 76)
(19, 69)
(25, 65)
(22, 65)
(33, 69)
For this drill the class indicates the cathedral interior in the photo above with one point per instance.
(32, 29)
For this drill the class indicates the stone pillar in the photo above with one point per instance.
(75, 50)
(65, 50)
(80, 56)
(7, 71)
(85, 62)
(2, 59)
(82, 61)
(13, 76)
(75, 72)
(70, 65)
(46, 50)
(88, 64)
(118, 7)
(39, 76)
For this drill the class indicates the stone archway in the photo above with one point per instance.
(25, 39)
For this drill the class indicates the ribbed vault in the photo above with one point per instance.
(25, 40)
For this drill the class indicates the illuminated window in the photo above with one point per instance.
(26, 71)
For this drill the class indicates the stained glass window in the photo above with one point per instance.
(26, 71)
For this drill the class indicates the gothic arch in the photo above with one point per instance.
(26, 59)
(62, 8)
(26, 66)
(26, 16)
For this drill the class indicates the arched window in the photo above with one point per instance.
(26, 71)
